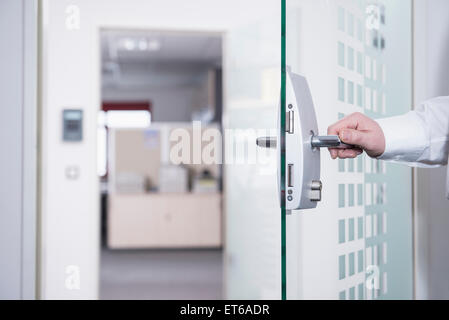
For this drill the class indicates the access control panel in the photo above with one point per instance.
(302, 147)
(72, 125)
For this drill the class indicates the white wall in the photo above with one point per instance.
(431, 205)
(71, 79)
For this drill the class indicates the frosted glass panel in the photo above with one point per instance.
(252, 72)
(356, 56)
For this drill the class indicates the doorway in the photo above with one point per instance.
(161, 223)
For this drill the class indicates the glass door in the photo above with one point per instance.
(357, 244)
(253, 214)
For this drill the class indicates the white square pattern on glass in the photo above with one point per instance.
(357, 70)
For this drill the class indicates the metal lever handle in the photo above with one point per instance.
(316, 142)
(267, 142)
(329, 142)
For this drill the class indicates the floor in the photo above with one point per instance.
(161, 274)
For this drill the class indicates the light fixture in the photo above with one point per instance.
(129, 44)
(154, 45)
(141, 44)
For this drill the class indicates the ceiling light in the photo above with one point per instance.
(154, 45)
(129, 44)
(143, 45)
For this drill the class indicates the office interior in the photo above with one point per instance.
(92, 205)
(163, 221)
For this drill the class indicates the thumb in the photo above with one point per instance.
(355, 137)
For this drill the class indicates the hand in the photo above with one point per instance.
(357, 129)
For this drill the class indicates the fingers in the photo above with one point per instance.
(345, 153)
(334, 153)
(349, 153)
(355, 137)
(350, 122)
(348, 129)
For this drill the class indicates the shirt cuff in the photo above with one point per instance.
(405, 138)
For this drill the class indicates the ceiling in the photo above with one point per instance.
(150, 47)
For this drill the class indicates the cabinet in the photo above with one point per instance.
(159, 220)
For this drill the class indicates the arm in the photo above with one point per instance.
(418, 138)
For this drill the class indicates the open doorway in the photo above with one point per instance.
(161, 222)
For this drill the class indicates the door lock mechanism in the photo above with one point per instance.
(302, 187)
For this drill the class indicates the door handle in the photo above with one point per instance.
(302, 183)
(329, 142)
(316, 142)
(267, 142)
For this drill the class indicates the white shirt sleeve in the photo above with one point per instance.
(419, 138)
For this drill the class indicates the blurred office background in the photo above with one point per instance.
(161, 223)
